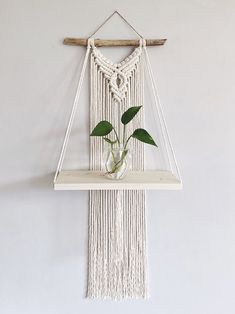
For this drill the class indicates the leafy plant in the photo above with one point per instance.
(104, 128)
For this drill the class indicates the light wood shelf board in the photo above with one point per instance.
(135, 180)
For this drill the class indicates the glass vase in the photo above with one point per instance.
(116, 162)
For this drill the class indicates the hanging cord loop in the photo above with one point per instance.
(122, 17)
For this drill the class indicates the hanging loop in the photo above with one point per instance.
(122, 17)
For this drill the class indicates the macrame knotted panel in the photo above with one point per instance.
(117, 226)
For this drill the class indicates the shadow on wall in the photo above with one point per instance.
(40, 183)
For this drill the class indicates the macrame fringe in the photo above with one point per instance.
(117, 226)
(117, 245)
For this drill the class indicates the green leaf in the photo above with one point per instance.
(109, 141)
(143, 136)
(129, 114)
(102, 128)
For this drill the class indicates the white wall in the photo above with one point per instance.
(43, 234)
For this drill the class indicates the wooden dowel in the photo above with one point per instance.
(113, 42)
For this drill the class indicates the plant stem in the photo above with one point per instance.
(112, 154)
(117, 137)
(127, 141)
(124, 134)
(118, 164)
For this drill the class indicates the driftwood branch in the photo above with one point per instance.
(113, 42)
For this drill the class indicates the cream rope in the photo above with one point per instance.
(117, 231)
(117, 265)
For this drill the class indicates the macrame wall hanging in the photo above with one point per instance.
(117, 265)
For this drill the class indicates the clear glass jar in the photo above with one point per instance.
(117, 162)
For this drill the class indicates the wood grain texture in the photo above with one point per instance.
(113, 42)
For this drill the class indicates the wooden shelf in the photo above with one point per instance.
(135, 180)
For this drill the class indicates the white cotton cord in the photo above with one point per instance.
(117, 240)
(73, 112)
(161, 116)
